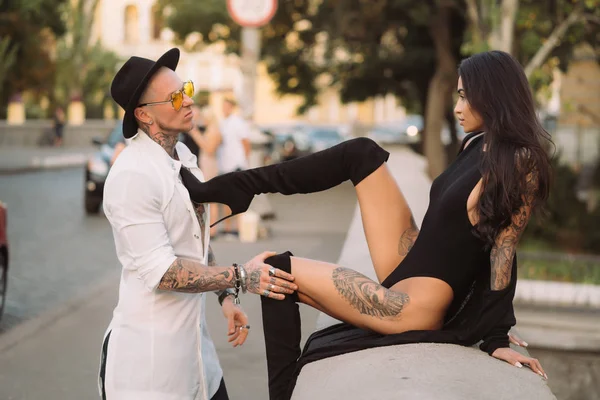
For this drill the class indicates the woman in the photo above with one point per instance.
(207, 139)
(451, 282)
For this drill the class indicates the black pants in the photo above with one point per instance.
(221, 393)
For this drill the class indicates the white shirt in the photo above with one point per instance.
(159, 346)
(231, 154)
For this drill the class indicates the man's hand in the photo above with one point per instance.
(266, 280)
(237, 322)
(517, 359)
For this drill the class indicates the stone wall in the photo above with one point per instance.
(30, 133)
(572, 375)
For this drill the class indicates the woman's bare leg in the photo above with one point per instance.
(388, 223)
(350, 296)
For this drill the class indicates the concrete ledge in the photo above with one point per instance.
(418, 371)
(557, 293)
(561, 328)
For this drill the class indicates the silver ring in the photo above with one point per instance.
(244, 327)
(266, 293)
(272, 271)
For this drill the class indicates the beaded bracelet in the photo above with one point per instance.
(237, 284)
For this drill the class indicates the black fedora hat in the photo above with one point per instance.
(131, 81)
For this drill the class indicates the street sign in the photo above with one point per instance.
(252, 13)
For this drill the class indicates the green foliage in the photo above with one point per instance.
(567, 224)
(84, 70)
(8, 56)
(535, 23)
(30, 27)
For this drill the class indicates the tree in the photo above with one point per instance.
(84, 70)
(363, 48)
(532, 30)
(29, 28)
(8, 56)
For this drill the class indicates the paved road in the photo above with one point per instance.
(56, 251)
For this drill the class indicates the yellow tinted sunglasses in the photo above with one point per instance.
(176, 97)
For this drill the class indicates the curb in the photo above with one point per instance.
(30, 328)
(47, 163)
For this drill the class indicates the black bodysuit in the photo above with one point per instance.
(446, 247)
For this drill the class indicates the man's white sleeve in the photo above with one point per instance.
(133, 205)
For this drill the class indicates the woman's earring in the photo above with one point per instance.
(150, 122)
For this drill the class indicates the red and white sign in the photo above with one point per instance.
(252, 13)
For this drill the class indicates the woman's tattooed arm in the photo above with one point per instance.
(503, 251)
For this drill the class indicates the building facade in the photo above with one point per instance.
(130, 27)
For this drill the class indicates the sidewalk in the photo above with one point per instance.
(28, 159)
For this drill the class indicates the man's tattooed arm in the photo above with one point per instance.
(367, 296)
(407, 240)
(192, 277)
(503, 251)
(211, 263)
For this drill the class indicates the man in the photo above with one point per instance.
(157, 346)
(234, 152)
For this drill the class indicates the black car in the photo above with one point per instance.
(97, 168)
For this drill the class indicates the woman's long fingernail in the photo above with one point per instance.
(525, 344)
(518, 365)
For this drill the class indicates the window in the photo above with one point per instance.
(132, 28)
(158, 22)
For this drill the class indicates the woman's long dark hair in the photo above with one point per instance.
(496, 87)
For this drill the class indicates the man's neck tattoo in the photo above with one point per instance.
(166, 141)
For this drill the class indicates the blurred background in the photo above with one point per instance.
(306, 75)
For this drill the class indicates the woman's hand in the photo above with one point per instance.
(266, 280)
(517, 359)
(237, 322)
(514, 339)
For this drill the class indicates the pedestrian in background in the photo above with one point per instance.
(206, 138)
(59, 125)
(234, 153)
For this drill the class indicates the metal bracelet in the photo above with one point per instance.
(243, 277)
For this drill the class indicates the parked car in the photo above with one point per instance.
(311, 138)
(281, 145)
(407, 131)
(97, 168)
(3, 257)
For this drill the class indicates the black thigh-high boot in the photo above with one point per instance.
(281, 325)
(352, 160)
